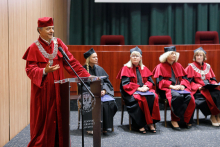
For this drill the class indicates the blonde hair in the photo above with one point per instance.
(129, 63)
(163, 57)
(87, 63)
(196, 53)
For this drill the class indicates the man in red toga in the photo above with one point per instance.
(44, 64)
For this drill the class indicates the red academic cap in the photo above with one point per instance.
(45, 21)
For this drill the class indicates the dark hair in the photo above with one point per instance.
(39, 28)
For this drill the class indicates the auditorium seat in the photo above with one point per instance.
(206, 37)
(160, 40)
(122, 113)
(164, 101)
(112, 40)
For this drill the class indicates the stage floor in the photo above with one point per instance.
(198, 136)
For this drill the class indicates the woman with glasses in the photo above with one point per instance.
(207, 98)
(136, 89)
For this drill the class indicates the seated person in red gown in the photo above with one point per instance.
(201, 74)
(170, 76)
(143, 109)
(107, 93)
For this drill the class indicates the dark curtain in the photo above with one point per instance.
(138, 21)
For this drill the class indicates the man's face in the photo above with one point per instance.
(47, 32)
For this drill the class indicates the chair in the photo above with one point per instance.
(165, 102)
(206, 37)
(160, 40)
(75, 97)
(122, 113)
(112, 40)
(197, 111)
(197, 114)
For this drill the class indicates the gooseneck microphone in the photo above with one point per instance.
(63, 53)
(65, 57)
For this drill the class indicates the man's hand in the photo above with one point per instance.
(49, 68)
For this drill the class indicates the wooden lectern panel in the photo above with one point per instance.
(96, 113)
(65, 112)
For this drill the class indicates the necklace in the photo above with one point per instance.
(45, 54)
(202, 72)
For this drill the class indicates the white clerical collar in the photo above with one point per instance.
(46, 40)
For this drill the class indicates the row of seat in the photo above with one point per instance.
(165, 103)
(201, 37)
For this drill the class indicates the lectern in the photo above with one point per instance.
(87, 104)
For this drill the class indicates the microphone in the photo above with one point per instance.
(63, 53)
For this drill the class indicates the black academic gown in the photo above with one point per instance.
(109, 107)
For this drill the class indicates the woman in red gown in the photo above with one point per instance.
(200, 74)
(143, 109)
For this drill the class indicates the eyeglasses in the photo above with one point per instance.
(133, 56)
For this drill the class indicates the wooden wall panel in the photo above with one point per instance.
(112, 58)
(4, 86)
(46, 8)
(18, 78)
(65, 21)
(18, 29)
(59, 19)
(32, 35)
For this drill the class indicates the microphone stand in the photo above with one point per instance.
(83, 84)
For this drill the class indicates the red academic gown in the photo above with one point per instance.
(164, 70)
(45, 112)
(198, 82)
(132, 86)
